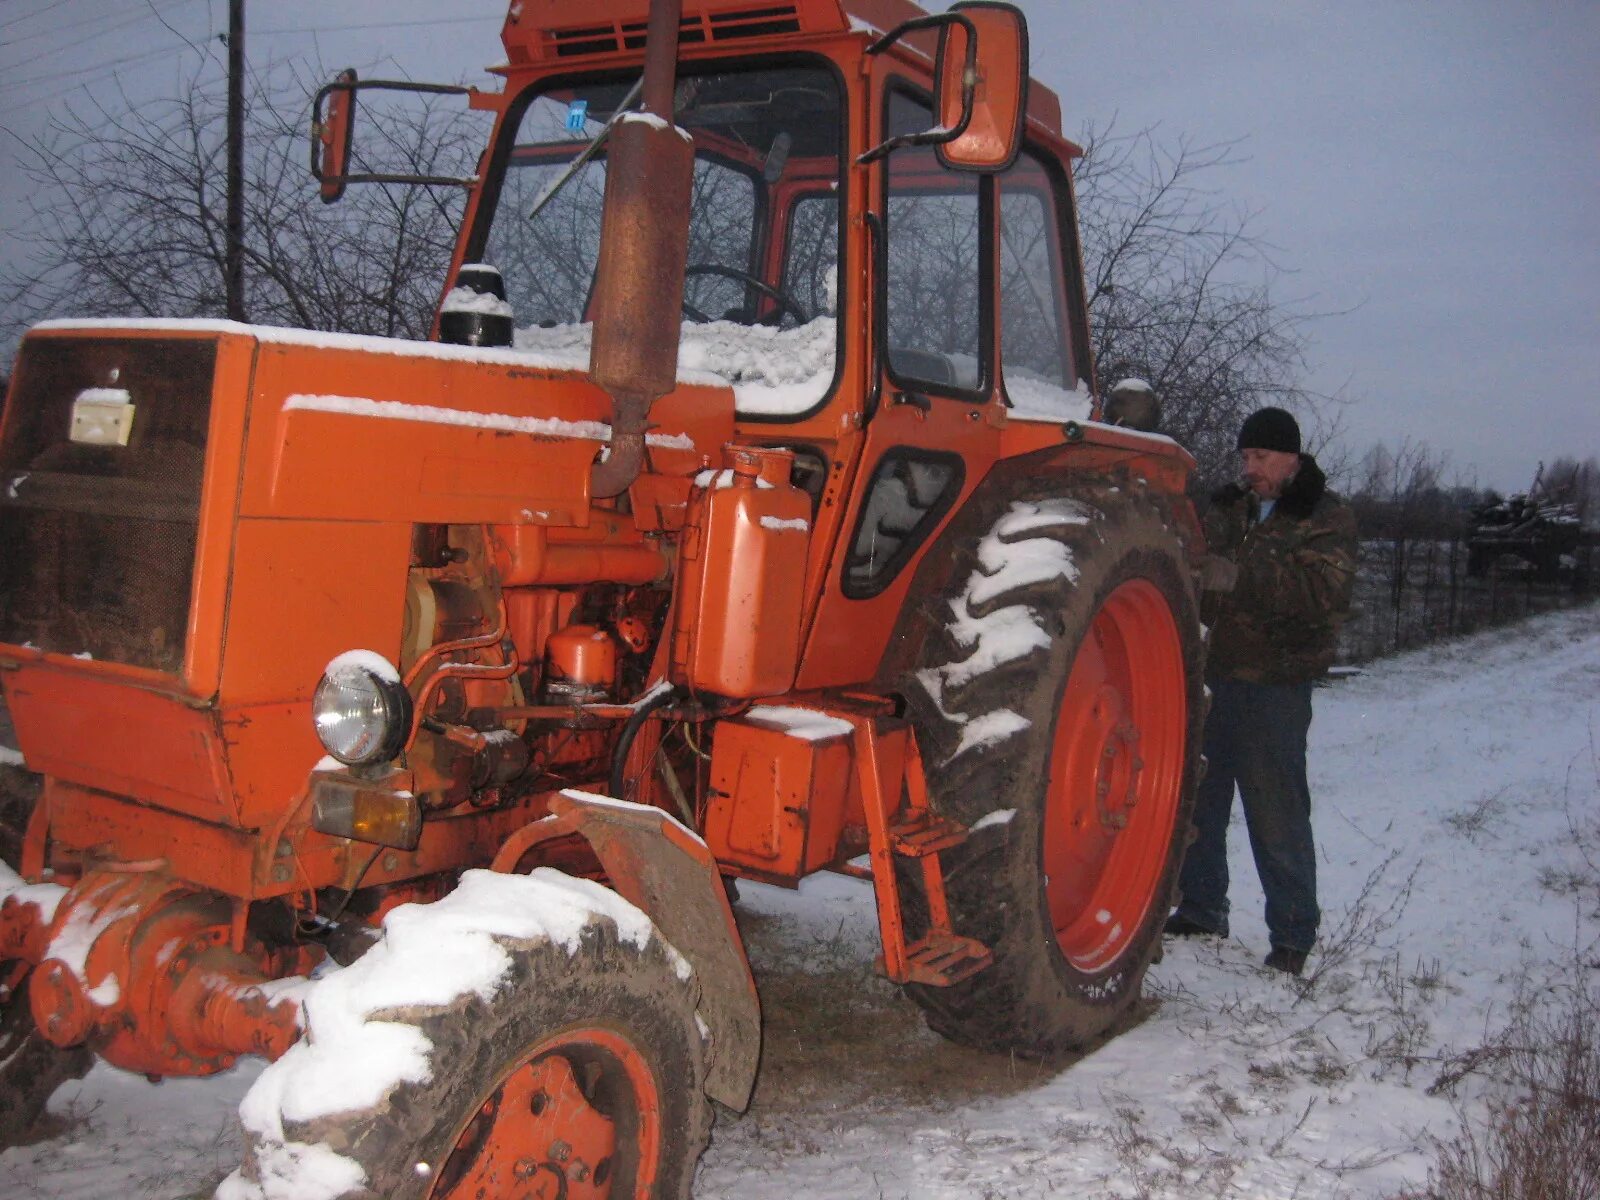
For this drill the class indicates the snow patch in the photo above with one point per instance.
(465, 300)
(1000, 816)
(990, 729)
(807, 724)
(99, 395)
(780, 524)
(107, 994)
(295, 1171)
(1035, 398)
(354, 662)
(718, 480)
(46, 897)
(431, 955)
(679, 963)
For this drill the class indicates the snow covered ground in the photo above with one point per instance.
(1456, 796)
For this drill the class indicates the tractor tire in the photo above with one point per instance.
(19, 795)
(1055, 682)
(582, 1077)
(31, 1068)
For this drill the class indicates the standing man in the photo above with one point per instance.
(1276, 588)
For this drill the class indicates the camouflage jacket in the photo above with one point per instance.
(1297, 569)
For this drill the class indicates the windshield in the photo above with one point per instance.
(759, 300)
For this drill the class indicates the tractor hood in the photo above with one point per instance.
(196, 516)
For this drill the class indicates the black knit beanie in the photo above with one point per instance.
(1270, 429)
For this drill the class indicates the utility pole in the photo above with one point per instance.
(233, 263)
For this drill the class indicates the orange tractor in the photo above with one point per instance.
(400, 709)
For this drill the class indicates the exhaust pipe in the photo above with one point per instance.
(644, 244)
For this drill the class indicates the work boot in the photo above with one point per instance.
(1290, 962)
(1179, 925)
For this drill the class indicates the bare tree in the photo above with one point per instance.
(1181, 289)
(129, 218)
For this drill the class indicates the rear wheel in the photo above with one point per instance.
(582, 1077)
(1059, 708)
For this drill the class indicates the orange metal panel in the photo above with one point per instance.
(304, 591)
(270, 751)
(211, 855)
(848, 637)
(737, 628)
(767, 789)
(219, 499)
(368, 429)
(561, 31)
(96, 731)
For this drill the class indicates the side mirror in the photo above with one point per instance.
(330, 137)
(332, 134)
(981, 80)
(982, 90)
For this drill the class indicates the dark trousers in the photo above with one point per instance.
(1256, 739)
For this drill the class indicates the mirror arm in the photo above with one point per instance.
(392, 85)
(969, 83)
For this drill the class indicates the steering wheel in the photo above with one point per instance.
(778, 296)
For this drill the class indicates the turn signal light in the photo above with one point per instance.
(365, 811)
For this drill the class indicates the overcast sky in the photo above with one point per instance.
(1431, 170)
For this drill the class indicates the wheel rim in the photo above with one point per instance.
(1116, 772)
(577, 1118)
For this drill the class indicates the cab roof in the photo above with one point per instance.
(544, 32)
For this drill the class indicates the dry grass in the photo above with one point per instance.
(1540, 1136)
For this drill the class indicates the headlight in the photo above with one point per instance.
(362, 710)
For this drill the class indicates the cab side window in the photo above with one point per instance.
(935, 262)
(1037, 365)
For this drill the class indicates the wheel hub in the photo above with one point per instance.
(1115, 776)
(537, 1137)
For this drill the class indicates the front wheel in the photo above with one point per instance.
(1059, 710)
(574, 1066)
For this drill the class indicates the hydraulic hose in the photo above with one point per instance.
(630, 730)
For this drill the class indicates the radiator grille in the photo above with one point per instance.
(97, 542)
(696, 28)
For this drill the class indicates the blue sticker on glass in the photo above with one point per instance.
(577, 114)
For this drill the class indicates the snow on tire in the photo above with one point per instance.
(1054, 676)
(526, 1033)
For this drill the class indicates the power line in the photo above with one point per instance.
(255, 33)
(38, 12)
(75, 38)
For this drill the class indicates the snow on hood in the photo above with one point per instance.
(1035, 398)
(773, 372)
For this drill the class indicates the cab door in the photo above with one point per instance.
(933, 415)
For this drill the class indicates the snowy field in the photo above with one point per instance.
(1457, 811)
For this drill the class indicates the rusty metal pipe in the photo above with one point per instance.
(661, 57)
(644, 244)
(625, 458)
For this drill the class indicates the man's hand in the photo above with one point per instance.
(1218, 574)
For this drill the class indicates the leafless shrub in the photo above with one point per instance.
(1182, 290)
(1540, 1136)
(1366, 919)
(1473, 820)
(127, 213)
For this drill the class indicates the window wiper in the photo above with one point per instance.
(589, 151)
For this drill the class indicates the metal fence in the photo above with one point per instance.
(1413, 591)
